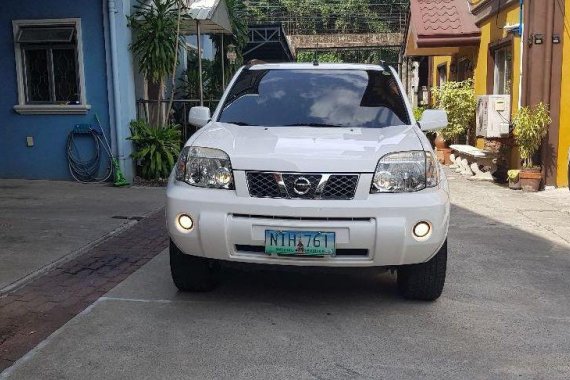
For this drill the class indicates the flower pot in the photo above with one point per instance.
(515, 185)
(446, 156)
(530, 179)
(440, 142)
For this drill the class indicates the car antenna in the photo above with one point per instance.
(315, 56)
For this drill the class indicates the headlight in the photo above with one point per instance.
(405, 172)
(205, 167)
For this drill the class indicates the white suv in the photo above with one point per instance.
(311, 165)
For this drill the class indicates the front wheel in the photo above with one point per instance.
(192, 273)
(424, 281)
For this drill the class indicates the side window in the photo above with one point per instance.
(49, 65)
(463, 69)
(503, 71)
(441, 74)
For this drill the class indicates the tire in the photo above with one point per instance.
(192, 273)
(424, 281)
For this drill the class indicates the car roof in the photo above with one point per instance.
(311, 66)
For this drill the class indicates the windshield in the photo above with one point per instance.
(315, 98)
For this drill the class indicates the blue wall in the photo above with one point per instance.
(47, 160)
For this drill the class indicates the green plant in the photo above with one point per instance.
(189, 82)
(323, 57)
(458, 99)
(513, 175)
(530, 127)
(418, 112)
(156, 148)
(156, 42)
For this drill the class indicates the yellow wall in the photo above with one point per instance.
(564, 131)
(490, 32)
(436, 62)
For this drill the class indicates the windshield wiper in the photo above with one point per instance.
(321, 125)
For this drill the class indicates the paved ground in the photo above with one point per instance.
(37, 309)
(43, 221)
(504, 313)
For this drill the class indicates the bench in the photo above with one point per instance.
(474, 163)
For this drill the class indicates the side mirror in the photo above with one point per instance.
(199, 116)
(433, 120)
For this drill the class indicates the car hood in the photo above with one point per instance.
(306, 149)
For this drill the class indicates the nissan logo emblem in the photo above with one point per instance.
(301, 186)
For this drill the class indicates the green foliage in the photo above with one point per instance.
(341, 16)
(531, 126)
(351, 56)
(513, 175)
(459, 101)
(156, 148)
(189, 84)
(334, 17)
(155, 30)
(328, 57)
(418, 112)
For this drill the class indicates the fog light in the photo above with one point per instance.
(422, 229)
(185, 222)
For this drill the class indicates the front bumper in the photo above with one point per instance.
(372, 230)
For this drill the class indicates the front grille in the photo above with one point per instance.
(263, 185)
(290, 179)
(301, 185)
(340, 187)
(339, 252)
(303, 218)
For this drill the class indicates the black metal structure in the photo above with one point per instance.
(267, 42)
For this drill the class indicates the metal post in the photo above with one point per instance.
(223, 58)
(200, 63)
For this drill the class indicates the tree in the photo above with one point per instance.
(459, 101)
(335, 16)
(156, 42)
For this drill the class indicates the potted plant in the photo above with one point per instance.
(530, 127)
(459, 101)
(514, 179)
(155, 149)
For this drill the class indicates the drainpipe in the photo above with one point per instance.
(116, 91)
(223, 58)
(198, 43)
(548, 43)
(521, 34)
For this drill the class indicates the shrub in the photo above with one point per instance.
(531, 126)
(458, 99)
(418, 112)
(156, 148)
(513, 175)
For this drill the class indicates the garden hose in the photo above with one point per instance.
(82, 169)
(85, 171)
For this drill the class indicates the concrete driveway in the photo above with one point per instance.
(42, 222)
(505, 313)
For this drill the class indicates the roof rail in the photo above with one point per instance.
(254, 62)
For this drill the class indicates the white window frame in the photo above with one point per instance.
(507, 71)
(49, 109)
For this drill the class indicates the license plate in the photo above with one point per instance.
(300, 243)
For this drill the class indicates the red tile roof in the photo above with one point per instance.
(438, 23)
